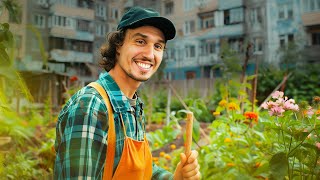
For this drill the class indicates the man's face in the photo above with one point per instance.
(141, 53)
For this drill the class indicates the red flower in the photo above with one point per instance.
(73, 78)
(252, 116)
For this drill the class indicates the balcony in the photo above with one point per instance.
(311, 18)
(208, 59)
(224, 31)
(70, 56)
(312, 53)
(64, 32)
(78, 12)
(229, 4)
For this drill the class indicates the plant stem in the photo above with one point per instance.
(284, 142)
(294, 158)
(298, 144)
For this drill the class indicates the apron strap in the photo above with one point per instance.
(108, 166)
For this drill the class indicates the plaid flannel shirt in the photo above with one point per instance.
(82, 129)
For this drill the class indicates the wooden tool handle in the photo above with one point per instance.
(189, 127)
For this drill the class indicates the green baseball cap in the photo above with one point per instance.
(138, 16)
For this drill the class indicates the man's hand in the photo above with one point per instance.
(188, 168)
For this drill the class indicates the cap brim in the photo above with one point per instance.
(164, 24)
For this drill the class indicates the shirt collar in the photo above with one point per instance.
(119, 101)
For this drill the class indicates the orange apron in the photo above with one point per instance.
(136, 158)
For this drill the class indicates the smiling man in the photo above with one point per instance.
(101, 130)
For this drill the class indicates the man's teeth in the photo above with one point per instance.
(145, 66)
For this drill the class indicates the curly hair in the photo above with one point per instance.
(109, 50)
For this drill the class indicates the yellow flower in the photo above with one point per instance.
(167, 156)
(227, 140)
(233, 106)
(318, 112)
(216, 113)
(173, 146)
(230, 164)
(162, 154)
(223, 103)
(155, 159)
(258, 164)
(156, 144)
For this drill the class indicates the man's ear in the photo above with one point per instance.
(118, 50)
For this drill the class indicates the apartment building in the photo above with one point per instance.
(56, 40)
(311, 21)
(191, 53)
(255, 31)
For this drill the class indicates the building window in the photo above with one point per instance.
(208, 48)
(169, 53)
(290, 11)
(290, 38)
(206, 20)
(114, 13)
(83, 25)
(255, 16)
(315, 38)
(233, 16)
(282, 40)
(189, 27)
(257, 44)
(61, 21)
(100, 10)
(39, 20)
(236, 15)
(88, 4)
(311, 5)
(285, 39)
(100, 29)
(168, 7)
(190, 51)
(281, 12)
(236, 44)
(188, 4)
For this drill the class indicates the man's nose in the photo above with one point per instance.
(149, 52)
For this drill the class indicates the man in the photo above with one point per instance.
(84, 129)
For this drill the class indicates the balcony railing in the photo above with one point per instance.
(311, 18)
(70, 56)
(69, 11)
(65, 32)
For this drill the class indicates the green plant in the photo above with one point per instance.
(295, 131)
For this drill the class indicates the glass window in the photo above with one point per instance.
(281, 12)
(169, 8)
(39, 20)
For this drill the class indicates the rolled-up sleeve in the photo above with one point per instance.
(160, 174)
(81, 139)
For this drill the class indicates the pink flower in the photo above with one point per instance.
(318, 145)
(264, 105)
(290, 105)
(277, 95)
(276, 111)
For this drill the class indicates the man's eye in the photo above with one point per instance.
(158, 46)
(140, 41)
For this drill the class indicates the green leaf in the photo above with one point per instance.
(4, 58)
(196, 131)
(278, 166)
